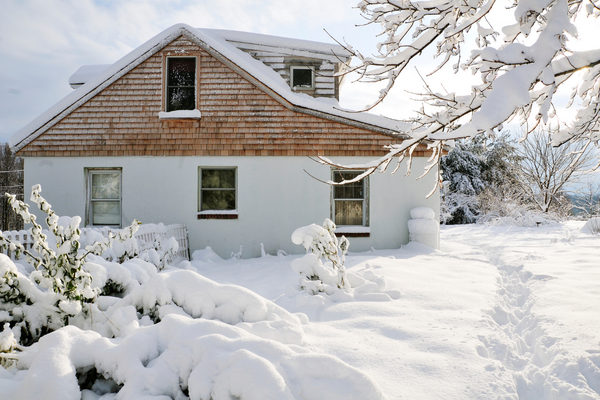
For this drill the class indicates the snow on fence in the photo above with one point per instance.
(146, 237)
(148, 233)
(22, 237)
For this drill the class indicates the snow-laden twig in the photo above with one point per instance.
(520, 76)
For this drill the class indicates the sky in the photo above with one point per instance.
(43, 42)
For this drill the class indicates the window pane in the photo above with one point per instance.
(106, 213)
(350, 191)
(105, 186)
(302, 77)
(182, 72)
(218, 200)
(218, 178)
(181, 98)
(348, 212)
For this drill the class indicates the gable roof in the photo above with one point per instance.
(215, 43)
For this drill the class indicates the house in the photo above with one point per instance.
(216, 129)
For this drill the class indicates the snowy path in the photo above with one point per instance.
(542, 365)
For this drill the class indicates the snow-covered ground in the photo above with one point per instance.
(497, 313)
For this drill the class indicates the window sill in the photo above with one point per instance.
(353, 231)
(180, 114)
(216, 214)
(302, 88)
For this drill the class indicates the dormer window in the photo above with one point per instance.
(181, 83)
(302, 78)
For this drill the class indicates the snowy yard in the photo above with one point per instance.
(497, 313)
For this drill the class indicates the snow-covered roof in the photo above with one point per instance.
(85, 73)
(217, 45)
(280, 42)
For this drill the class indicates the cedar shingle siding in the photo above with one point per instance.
(238, 119)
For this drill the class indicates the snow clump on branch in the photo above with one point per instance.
(523, 76)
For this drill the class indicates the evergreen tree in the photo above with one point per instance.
(476, 167)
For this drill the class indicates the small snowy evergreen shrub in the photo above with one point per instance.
(316, 276)
(59, 287)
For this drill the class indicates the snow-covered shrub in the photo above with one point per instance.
(162, 252)
(181, 358)
(60, 287)
(153, 245)
(316, 276)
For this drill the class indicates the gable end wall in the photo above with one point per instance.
(238, 119)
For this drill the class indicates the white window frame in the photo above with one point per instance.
(365, 199)
(235, 190)
(312, 70)
(166, 85)
(89, 201)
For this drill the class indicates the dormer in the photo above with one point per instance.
(307, 67)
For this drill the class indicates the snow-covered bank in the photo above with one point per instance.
(497, 313)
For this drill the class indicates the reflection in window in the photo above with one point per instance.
(105, 198)
(349, 201)
(217, 189)
(181, 83)
(302, 78)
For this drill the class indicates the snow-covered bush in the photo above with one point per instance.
(60, 287)
(152, 333)
(316, 276)
(153, 245)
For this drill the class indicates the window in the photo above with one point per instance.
(302, 78)
(350, 205)
(217, 189)
(104, 195)
(181, 83)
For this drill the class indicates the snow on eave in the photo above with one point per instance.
(281, 42)
(210, 40)
(87, 72)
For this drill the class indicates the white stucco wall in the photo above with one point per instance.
(275, 196)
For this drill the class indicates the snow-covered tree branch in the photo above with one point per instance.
(546, 171)
(520, 74)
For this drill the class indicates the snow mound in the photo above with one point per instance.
(422, 213)
(423, 228)
(592, 226)
(181, 357)
(206, 255)
(187, 293)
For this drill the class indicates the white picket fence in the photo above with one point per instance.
(146, 237)
(148, 233)
(22, 237)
